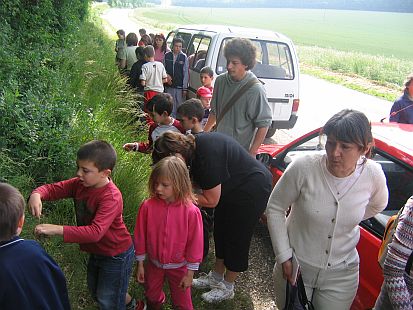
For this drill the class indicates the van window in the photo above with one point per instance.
(169, 39)
(197, 58)
(273, 60)
(186, 48)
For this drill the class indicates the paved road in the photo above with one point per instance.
(319, 100)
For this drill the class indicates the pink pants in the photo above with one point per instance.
(154, 280)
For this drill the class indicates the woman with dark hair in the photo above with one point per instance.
(159, 43)
(329, 195)
(236, 185)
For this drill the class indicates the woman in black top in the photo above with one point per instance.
(236, 185)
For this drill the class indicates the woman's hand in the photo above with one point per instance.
(288, 271)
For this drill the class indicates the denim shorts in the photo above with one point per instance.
(108, 277)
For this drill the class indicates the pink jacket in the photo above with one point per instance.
(169, 234)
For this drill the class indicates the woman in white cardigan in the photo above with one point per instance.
(329, 195)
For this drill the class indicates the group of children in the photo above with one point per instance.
(168, 234)
(158, 69)
(192, 114)
(168, 237)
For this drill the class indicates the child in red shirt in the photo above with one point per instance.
(207, 77)
(161, 108)
(101, 230)
(168, 233)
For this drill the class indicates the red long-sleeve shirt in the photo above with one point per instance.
(100, 229)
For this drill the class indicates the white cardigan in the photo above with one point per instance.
(322, 230)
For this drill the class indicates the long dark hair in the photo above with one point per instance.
(163, 47)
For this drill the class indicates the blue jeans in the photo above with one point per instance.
(108, 277)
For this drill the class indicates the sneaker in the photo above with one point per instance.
(131, 305)
(205, 281)
(140, 305)
(218, 294)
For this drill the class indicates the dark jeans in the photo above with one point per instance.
(108, 277)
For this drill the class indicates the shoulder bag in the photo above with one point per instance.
(234, 99)
(296, 297)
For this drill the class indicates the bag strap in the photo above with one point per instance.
(235, 97)
(409, 263)
(302, 294)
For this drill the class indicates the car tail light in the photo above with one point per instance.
(296, 103)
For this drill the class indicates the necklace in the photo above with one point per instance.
(343, 185)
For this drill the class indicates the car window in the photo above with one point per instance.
(399, 179)
(313, 144)
(200, 44)
(273, 60)
(169, 39)
(186, 37)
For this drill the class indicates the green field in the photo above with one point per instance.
(375, 33)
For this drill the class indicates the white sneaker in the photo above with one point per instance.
(205, 281)
(218, 294)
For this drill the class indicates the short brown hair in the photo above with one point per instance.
(149, 51)
(173, 169)
(11, 210)
(191, 108)
(242, 48)
(131, 39)
(350, 126)
(101, 153)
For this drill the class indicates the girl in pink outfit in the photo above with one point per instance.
(168, 234)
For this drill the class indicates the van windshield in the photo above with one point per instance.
(273, 60)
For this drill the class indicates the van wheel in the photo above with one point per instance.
(271, 131)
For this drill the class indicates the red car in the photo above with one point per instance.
(394, 151)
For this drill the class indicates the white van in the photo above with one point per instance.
(277, 64)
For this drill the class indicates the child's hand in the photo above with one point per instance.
(131, 146)
(140, 274)
(187, 280)
(35, 205)
(48, 230)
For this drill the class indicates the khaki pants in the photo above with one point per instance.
(329, 289)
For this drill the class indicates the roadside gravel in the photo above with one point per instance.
(257, 282)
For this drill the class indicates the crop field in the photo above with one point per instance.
(372, 45)
(376, 33)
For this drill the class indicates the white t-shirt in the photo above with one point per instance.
(152, 73)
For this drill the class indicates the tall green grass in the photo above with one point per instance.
(107, 110)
